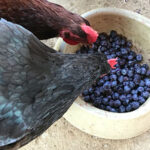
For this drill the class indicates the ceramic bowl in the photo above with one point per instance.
(102, 123)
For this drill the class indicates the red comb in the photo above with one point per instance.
(112, 62)
(91, 33)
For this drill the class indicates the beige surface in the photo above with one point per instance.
(63, 136)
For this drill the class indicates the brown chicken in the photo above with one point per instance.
(48, 20)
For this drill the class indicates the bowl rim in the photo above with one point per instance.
(144, 108)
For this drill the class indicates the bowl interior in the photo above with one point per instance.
(136, 28)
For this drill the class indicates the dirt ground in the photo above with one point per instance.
(62, 135)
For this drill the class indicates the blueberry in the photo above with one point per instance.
(105, 101)
(97, 102)
(129, 96)
(111, 103)
(117, 103)
(120, 79)
(113, 83)
(128, 108)
(127, 89)
(115, 95)
(139, 57)
(140, 89)
(97, 93)
(122, 62)
(101, 49)
(103, 36)
(135, 97)
(113, 110)
(138, 70)
(118, 72)
(122, 97)
(145, 94)
(148, 73)
(92, 97)
(100, 82)
(131, 84)
(124, 71)
(145, 66)
(106, 78)
(106, 85)
(108, 108)
(106, 53)
(122, 109)
(148, 89)
(102, 106)
(143, 71)
(129, 44)
(142, 83)
(103, 43)
(113, 77)
(135, 105)
(113, 33)
(130, 57)
(131, 63)
(87, 98)
(85, 93)
(141, 100)
(126, 102)
(91, 90)
(130, 73)
(134, 91)
(118, 54)
(147, 82)
(124, 51)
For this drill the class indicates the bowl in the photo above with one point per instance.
(102, 123)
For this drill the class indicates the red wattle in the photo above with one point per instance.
(112, 62)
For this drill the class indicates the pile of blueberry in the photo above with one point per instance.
(125, 88)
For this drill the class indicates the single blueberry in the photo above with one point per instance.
(129, 44)
(120, 79)
(105, 101)
(85, 92)
(122, 109)
(147, 82)
(143, 71)
(145, 94)
(124, 51)
(140, 89)
(97, 102)
(113, 33)
(135, 97)
(122, 97)
(130, 57)
(118, 54)
(139, 57)
(91, 90)
(113, 110)
(126, 102)
(111, 103)
(113, 77)
(128, 108)
(148, 73)
(145, 66)
(129, 96)
(135, 105)
(103, 43)
(138, 70)
(127, 89)
(92, 97)
(113, 83)
(87, 98)
(97, 93)
(117, 103)
(124, 71)
(118, 72)
(141, 100)
(142, 83)
(130, 73)
(102, 107)
(115, 95)
(108, 108)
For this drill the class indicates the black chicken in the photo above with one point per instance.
(38, 84)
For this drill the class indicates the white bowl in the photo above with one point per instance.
(98, 122)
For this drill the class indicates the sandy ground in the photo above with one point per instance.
(62, 135)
